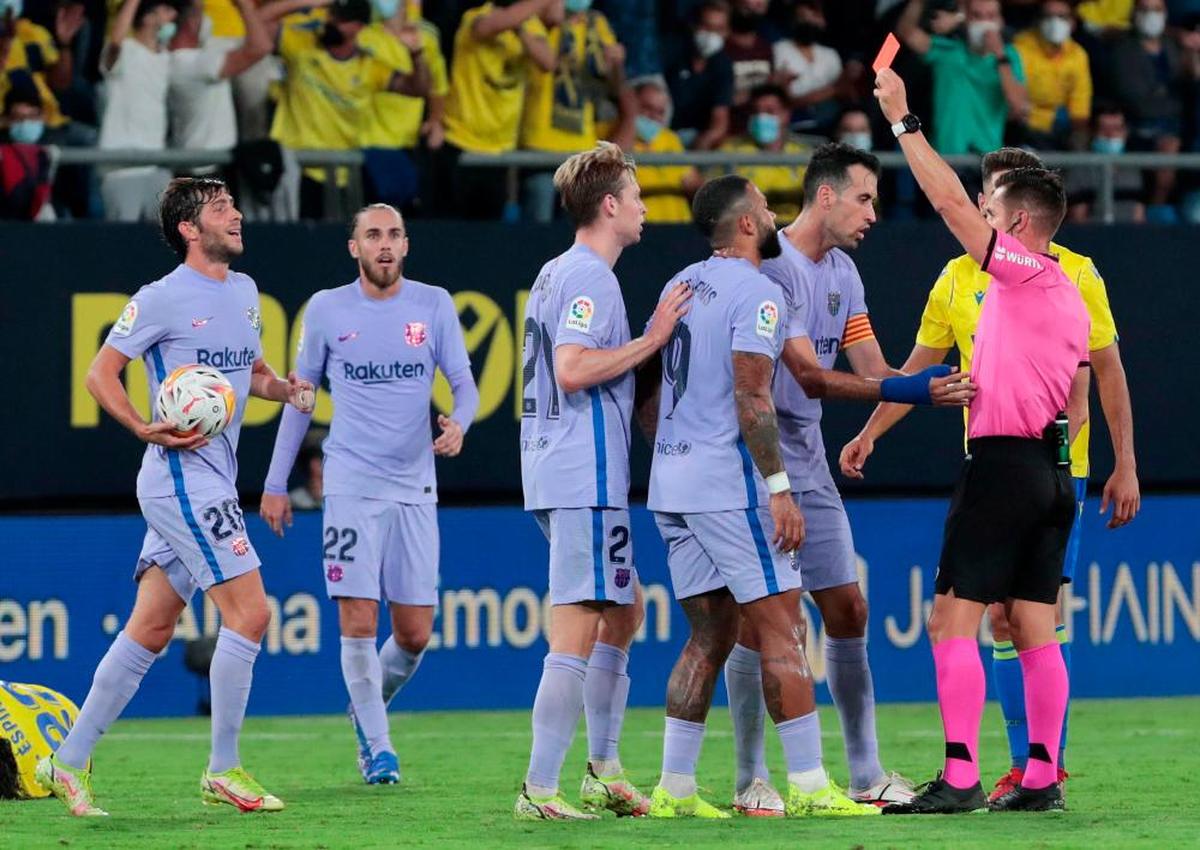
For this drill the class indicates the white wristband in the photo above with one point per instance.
(778, 483)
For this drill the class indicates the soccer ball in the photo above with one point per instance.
(196, 400)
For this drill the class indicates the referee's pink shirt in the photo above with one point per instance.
(1031, 338)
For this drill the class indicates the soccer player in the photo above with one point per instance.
(379, 341)
(826, 313)
(33, 722)
(577, 399)
(949, 320)
(187, 489)
(723, 504)
(1013, 507)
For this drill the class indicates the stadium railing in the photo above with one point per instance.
(339, 202)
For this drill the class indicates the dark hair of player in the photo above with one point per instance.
(830, 166)
(715, 202)
(1007, 159)
(584, 180)
(182, 201)
(10, 788)
(1040, 192)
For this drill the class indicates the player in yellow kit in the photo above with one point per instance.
(33, 722)
(949, 321)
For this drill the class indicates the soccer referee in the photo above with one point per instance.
(1012, 510)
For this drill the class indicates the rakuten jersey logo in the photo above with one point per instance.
(382, 373)
(1004, 255)
(226, 359)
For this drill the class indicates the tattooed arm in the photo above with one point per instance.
(760, 432)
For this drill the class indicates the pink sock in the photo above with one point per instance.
(961, 691)
(1046, 689)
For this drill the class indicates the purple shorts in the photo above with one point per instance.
(371, 548)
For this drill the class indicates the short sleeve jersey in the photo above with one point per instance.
(700, 462)
(821, 300)
(1032, 336)
(969, 108)
(395, 119)
(574, 446)
(380, 358)
(187, 318)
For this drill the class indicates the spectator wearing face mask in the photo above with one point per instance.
(854, 129)
(1147, 76)
(46, 56)
(767, 131)
(24, 168)
(136, 68)
(700, 78)
(978, 84)
(750, 54)
(811, 69)
(1060, 80)
(667, 190)
(1109, 136)
(331, 83)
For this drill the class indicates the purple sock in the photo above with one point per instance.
(556, 710)
(116, 680)
(801, 739)
(605, 692)
(743, 681)
(229, 677)
(363, 677)
(398, 666)
(853, 692)
(681, 746)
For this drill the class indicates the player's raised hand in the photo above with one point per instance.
(668, 313)
(789, 522)
(1123, 492)
(162, 434)
(450, 442)
(953, 390)
(276, 511)
(301, 393)
(892, 97)
(854, 456)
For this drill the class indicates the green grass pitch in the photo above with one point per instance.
(1135, 781)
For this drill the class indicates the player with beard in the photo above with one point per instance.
(723, 504)
(379, 341)
(187, 489)
(826, 313)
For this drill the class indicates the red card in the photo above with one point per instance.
(887, 53)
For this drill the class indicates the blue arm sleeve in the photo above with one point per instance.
(912, 389)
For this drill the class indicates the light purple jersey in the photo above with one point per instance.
(574, 446)
(380, 357)
(700, 462)
(185, 318)
(821, 297)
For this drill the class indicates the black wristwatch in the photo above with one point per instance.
(908, 124)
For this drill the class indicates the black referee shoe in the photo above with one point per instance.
(1022, 799)
(941, 798)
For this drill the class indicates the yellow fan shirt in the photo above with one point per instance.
(782, 184)
(33, 720)
(394, 120)
(662, 185)
(952, 314)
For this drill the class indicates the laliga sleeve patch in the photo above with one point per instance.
(768, 319)
(124, 325)
(579, 314)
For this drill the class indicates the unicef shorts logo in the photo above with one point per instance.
(666, 449)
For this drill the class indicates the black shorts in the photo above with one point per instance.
(1009, 522)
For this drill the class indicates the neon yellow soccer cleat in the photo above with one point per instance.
(663, 805)
(547, 808)
(239, 789)
(615, 793)
(71, 785)
(830, 801)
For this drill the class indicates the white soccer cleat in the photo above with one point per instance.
(759, 799)
(890, 788)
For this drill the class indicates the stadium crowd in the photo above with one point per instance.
(416, 85)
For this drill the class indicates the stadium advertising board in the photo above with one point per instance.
(60, 448)
(1134, 610)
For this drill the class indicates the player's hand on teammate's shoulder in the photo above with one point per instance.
(889, 91)
(450, 442)
(854, 456)
(670, 310)
(952, 390)
(301, 393)
(163, 434)
(276, 511)
(789, 522)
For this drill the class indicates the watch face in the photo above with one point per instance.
(911, 123)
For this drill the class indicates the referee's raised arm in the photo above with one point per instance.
(937, 179)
